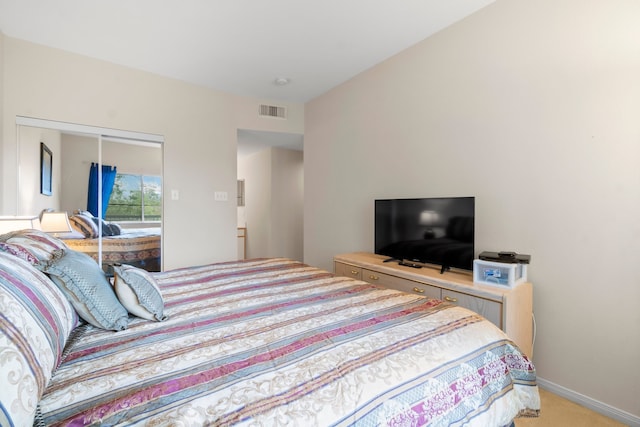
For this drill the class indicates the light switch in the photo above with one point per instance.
(221, 196)
(175, 195)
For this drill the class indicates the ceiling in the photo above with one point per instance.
(238, 46)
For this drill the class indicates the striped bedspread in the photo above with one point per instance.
(273, 342)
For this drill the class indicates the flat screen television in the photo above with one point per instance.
(438, 231)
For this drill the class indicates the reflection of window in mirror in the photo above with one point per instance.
(241, 192)
(135, 198)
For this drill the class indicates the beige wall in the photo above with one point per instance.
(30, 200)
(274, 203)
(199, 126)
(79, 152)
(534, 109)
(288, 203)
(255, 169)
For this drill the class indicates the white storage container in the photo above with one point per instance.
(504, 275)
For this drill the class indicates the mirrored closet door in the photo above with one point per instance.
(107, 181)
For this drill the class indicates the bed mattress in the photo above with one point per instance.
(275, 342)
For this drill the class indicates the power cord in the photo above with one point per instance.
(535, 329)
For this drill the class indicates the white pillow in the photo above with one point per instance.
(138, 292)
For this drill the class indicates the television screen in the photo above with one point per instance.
(436, 231)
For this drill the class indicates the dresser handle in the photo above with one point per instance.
(418, 290)
(354, 272)
(450, 299)
(373, 277)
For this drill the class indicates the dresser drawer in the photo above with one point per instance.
(492, 310)
(400, 284)
(347, 270)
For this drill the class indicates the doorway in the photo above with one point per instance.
(272, 168)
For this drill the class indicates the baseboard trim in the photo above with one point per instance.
(595, 405)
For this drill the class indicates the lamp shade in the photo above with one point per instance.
(13, 223)
(429, 218)
(55, 222)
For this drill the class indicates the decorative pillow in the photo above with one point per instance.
(84, 225)
(108, 229)
(88, 289)
(35, 322)
(36, 242)
(138, 291)
(85, 213)
(102, 224)
(19, 251)
(116, 230)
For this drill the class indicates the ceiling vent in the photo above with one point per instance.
(272, 111)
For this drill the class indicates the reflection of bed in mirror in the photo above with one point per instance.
(139, 247)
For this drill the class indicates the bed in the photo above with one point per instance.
(135, 246)
(261, 342)
(140, 247)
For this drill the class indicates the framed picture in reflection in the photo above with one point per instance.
(46, 169)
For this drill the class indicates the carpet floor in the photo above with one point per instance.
(557, 411)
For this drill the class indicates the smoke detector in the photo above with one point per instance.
(281, 81)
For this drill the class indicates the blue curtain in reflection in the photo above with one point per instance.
(108, 179)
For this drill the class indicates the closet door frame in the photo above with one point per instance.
(99, 133)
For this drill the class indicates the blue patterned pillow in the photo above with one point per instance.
(88, 289)
(35, 322)
(138, 291)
